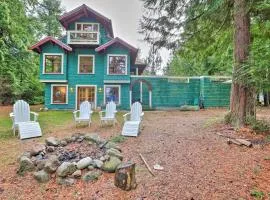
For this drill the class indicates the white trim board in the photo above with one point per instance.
(78, 64)
(53, 81)
(53, 85)
(104, 93)
(116, 81)
(52, 54)
(76, 95)
(126, 66)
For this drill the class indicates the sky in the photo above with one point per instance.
(125, 16)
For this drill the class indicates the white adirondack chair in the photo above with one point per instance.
(132, 125)
(84, 114)
(109, 114)
(22, 121)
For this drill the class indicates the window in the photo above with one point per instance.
(59, 94)
(92, 27)
(86, 64)
(117, 64)
(52, 63)
(112, 93)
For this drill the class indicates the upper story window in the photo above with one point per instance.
(92, 27)
(117, 65)
(86, 64)
(52, 63)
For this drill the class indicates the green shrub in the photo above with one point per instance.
(259, 126)
(257, 194)
(118, 139)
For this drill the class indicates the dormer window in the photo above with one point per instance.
(52, 63)
(84, 33)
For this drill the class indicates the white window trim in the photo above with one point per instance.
(76, 95)
(108, 64)
(86, 23)
(55, 85)
(119, 86)
(86, 55)
(53, 54)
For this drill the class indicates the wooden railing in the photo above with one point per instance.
(82, 37)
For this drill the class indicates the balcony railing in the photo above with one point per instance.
(82, 37)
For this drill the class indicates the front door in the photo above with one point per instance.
(86, 93)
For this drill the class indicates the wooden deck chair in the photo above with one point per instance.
(22, 121)
(132, 125)
(84, 114)
(109, 114)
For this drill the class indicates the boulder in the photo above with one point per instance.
(42, 176)
(37, 148)
(51, 164)
(94, 138)
(40, 164)
(90, 167)
(115, 153)
(110, 145)
(77, 174)
(83, 163)
(65, 169)
(65, 181)
(111, 164)
(52, 141)
(68, 140)
(97, 163)
(91, 176)
(63, 143)
(25, 165)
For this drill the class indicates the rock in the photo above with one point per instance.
(91, 176)
(115, 153)
(65, 169)
(65, 181)
(73, 139)
(77, 174)
(110, 145)
(50, 149)
(36, 149)
(111, 164)
(97, 163)
(83, 163)
(42, 176)
(52, 141)
(52, 164)
(102, 158)
(68, 140)
(26, 154)
(90, 167)
(94, 138)
(25, 165)
(80, 138)
(63, 143)
(40, 164)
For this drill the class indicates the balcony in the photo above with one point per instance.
(83, 37)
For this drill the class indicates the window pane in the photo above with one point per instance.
(79, 27)
(59, 94)
(117, 64)
(86, 64)
(112, 94)
(53, 64)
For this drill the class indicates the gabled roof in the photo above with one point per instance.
(36, 47)
(119, 41)
(85, 11)
(116, 40)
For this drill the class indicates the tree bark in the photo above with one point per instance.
(242, 95)
(125, 176)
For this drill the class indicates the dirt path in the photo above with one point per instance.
(198, 164)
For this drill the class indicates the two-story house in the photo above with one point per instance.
(88, 63)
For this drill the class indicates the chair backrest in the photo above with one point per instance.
(21, 111)
(85, 109)
(136, 111)
(110, 109)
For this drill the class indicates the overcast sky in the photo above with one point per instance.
(125, 16)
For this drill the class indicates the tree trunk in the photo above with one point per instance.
(125, 176)
(242, 95)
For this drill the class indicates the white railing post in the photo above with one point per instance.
(141, 91)
(150, 99)
(130, 98)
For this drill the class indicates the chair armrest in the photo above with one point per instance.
(35, 116)
(142, 114)
(11, 115)
(75, 113)
(126, 116)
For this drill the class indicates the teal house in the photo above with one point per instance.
(90, 63)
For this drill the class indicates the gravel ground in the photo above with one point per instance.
(198, 164)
